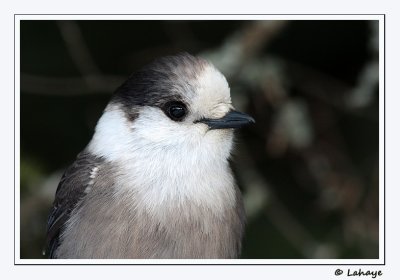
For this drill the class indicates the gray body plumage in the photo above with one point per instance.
(105, 225)
(131, 194)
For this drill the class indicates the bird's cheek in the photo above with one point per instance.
(221, 143)
(200, 129)
(220, 138)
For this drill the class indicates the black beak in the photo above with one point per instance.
(233, 119)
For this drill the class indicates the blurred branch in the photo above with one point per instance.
(77, 48)
(323, 86)
(368, 79)
(235, 58)
(92, 81)
(34, 84)
(79, 52)
(260, 198)
(244, 45)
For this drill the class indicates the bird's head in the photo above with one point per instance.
(178, 104)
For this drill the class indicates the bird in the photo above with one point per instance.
(155, 182)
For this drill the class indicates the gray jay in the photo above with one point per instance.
(154, 181)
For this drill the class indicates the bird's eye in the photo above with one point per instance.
(176, 111)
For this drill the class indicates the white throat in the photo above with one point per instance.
(166, 164)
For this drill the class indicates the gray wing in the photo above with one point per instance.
(70, 190)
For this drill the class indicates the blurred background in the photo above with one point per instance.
(309, 166)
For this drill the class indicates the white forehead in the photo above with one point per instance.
(212, 93)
